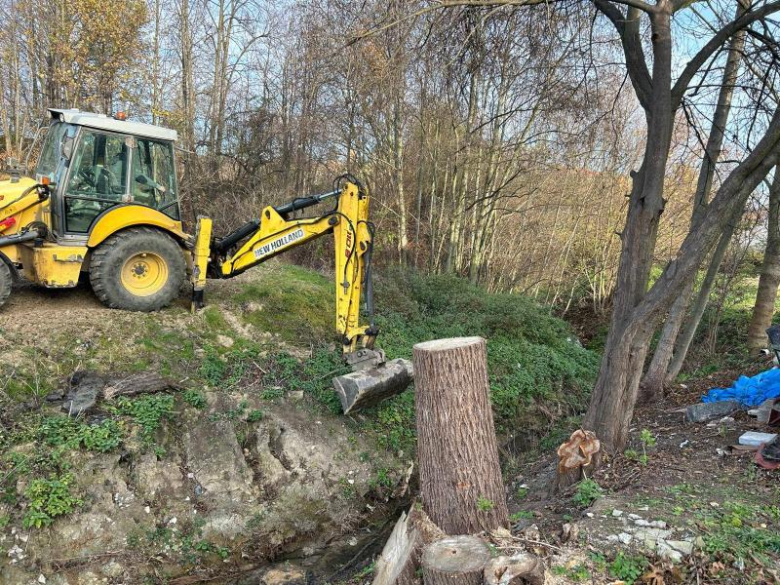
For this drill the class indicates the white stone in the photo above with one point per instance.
(683, 546)
(642, 522)
(41, 578)
(625, 537)
(617, 513)
(667, 552)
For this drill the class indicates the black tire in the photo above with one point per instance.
(113, 258)
(6, 280)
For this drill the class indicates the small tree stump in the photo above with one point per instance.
(456, 560)
(460, 476)
(519, 569)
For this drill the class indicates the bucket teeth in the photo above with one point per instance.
(371, 386)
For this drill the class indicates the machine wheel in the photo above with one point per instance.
(6, 279)
(138, 269)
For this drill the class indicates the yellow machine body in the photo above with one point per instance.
(115, 216)
(125, 216)
(54, 264)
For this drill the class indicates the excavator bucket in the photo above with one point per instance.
(373, 384)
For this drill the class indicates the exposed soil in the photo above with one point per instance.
(692, 481)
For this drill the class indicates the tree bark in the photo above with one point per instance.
(456, 560)
(142, 383)
(615, 394)
(700, 303)
(769, 280)
(653, 382)
(460, 476)
(400, 559)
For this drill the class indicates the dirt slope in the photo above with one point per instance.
(226, 476)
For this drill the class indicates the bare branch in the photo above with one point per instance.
(636, 64)
(714, 44)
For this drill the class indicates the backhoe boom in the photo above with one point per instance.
(278, 231)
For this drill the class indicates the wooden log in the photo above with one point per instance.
(515, 570)
(397, 565)
(400, 559)
(371, 386)
(455, 560)
(142, 383)
(460, 476)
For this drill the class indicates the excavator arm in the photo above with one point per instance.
(279, 231)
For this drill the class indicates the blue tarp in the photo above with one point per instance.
(749, 391)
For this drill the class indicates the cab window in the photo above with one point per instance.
(153, 178)
(97, 180)
(49, 161)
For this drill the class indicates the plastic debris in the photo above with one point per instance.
(753, 439)
(748, 391)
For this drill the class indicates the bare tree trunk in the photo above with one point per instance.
(615, 394)
(187, 76)
(769, 280)
(460, 475)
(653, 381)
(700, 304)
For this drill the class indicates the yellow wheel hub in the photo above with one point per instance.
(144, 274)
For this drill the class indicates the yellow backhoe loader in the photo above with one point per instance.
(104, 202)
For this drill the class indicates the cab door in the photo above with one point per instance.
(98, 178)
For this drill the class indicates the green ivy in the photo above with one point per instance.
(148, 412)
(47, 499)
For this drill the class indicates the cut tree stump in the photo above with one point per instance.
(456, 560)
(460, 476)
(515, 570)
(400, 559)
(143, 383)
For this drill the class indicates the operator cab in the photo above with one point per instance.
(97, 162)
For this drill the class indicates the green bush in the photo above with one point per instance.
(148, 412)
(47, 499)
(627, 568)
(532, 355)
(588, 491)
(195, 399)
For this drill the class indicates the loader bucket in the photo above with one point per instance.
(371, 386)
